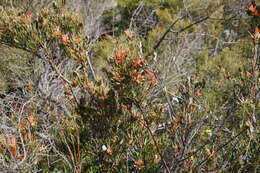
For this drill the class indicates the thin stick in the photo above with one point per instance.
(91, 67)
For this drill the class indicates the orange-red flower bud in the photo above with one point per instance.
(29, 15)
(22, 124)
(31, 120)
(64, 38)
(137, 62)
(119, 56)
(197, 94)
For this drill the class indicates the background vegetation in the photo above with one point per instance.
(129, 86)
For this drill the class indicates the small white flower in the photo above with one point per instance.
(104, 148)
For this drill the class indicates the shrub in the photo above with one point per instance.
(127, 118)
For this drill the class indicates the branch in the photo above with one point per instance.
(53, 66)
(192, 24)
(182, 29)
(66, 81)
(179, 31)
(166, 32)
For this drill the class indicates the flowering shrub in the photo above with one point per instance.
(125, 118)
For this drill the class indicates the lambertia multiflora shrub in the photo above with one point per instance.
(70, 117)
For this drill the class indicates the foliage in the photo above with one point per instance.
(190, 104)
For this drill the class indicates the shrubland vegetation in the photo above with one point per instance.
(167, 86)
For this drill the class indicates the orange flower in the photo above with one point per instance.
(22, 124)
(31, 120)
(13, 151)
(29, 15)
(139, 164)
(119, 56)
(150, 75)
(252, 8)
(138, 62)
(64, 38)
(197, 94)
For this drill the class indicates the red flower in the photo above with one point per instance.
(119, 56)
(31, 120)
(22, 124)
(138, 62)
(64, 38)
(13, 151)
(252, 8)
(150, 74)
(197, 94)
(29, 15)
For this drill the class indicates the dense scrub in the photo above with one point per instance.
(168, 86)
